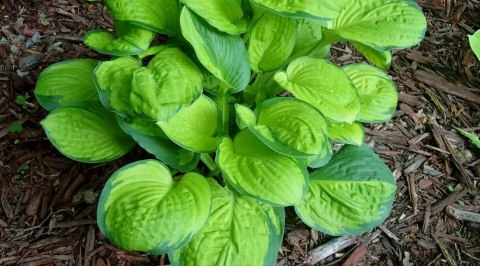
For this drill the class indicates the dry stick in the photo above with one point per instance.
(426, 218)
(444, 250)
(441, 84)
(412, 191)
(464, 177)
(329, 248)
(462, 215)
(448, 200)
(389, 233)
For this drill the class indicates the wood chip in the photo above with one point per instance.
(445, 252)
(453, 197)
(462, 215)
(329, 248)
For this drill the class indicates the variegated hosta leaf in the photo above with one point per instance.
(255, 170)
(352, 194)
(353, 134)
(382, 59)
(475, 43)
(288, 126)
(128, 40)
(142, 208)
(151, 138)
(160, 16)
(323, 85)
(225, 15)
(381, 24)
(318, 9)
(195, 127)
(264, 87)
(226, 239)
(309, 35)
(321, 159)
(271, 42)
(65, 83)
(86, 133)
(224, 55)
(377, 92)
(156, 92)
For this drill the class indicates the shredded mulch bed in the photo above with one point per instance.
(48, 202)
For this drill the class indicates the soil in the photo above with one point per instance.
(48, 202)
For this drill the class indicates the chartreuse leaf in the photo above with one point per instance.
(322, 158)
(66, 83)
(195, 127)
(377, 92)
(226, 239)
(255, 170)
(352, 194)
(156, 92)
(353, 134)
(142, 208)
(288, 126)
(86, 133)
(323, 85)
(381, 24)
(225, 15)
(264, 87)
(151, 138)
(160, 16)
(225, 56)
(114, 80)
(129, 40)
(471, 136)
(309, 34)
(475, 43)
(271, 42)
(382, 59)
(323, 9)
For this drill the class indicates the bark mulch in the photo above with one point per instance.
(48, 202)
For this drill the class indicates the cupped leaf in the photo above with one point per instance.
(225, 15)
(65, 83)
(195, 127)
(382, 59)
(225, 56)
(319, 9)
(255, 170)
(475, 43)
(129, 40)
(151, 138)
(323, 85)
(142, 208)
(353, 134)
(113, 80)
(321, 159)
(160, 16)
(156, 92)
(288, 126)
(87, 133)
(352, 194)
(271, 42)
(381, 24)
(264, 87)
(377, 92)
(226, 239)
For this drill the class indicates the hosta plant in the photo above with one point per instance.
(240, 107)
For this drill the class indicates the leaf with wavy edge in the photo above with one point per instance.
(317, 9)
(255, 170)
(288, 126)
(377, 92)
(86, 133)
(382, 59)
(195, 127)
(323, 85)
(142, 208)
(226, 238)
(225, 56)
(225, 15)
(352, 194)
(381, 24)
(65, 83)
(160, 16)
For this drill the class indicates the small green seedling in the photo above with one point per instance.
(15, 127)
(207, 103)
